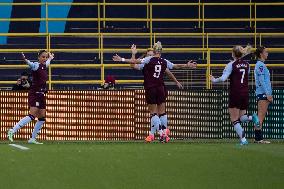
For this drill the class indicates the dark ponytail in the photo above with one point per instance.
(258, 52)
(40, 52)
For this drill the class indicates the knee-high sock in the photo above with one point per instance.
(155, 123)
(239, 129)
(23, 122)
(164, 122)
(258, 135)
(37, 127)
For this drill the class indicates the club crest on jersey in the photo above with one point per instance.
(260, 68)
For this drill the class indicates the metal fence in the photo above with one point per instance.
(123, 115)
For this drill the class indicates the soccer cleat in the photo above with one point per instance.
(167, 132)
(255, 120)
(149, 138)
(244, 143)
(262, 142)
(167, 139)
(33, 141)
(10, 135)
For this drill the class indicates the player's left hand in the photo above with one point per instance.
(179, 85)
(191, 64)
(50, 55)
(212, 78)
(116, 58)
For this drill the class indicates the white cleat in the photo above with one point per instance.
(33, 141)
(10, 135)
(262, 142)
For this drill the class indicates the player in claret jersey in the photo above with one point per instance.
(238, 72)
(154, 68)
(36, 97)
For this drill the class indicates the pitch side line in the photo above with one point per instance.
(19, 146)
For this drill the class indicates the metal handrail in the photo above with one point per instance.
(152, 35)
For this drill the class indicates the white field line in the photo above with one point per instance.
(19, 146)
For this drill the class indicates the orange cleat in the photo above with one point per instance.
(149, 138)
(167, 139)
(167, 132)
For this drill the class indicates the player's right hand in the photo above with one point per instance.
(116, 58)
(23, 56)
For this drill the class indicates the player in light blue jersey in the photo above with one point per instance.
(263, 90)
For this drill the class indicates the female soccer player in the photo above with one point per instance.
(154, 68)
(238, 72)
(36, 98)
(162, 115)
(263, 90)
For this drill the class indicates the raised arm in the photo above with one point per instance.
(50, 57)
(32, 65)
(133, 51)
(24, 58)
(133, 60)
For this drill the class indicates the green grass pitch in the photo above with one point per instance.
(135, 165)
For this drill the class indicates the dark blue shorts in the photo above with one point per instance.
(261, 97)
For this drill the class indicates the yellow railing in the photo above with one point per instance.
(101, 50)
(149, 19)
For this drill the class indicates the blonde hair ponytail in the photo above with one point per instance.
(246, 50)
(239, 51)
(157, 48)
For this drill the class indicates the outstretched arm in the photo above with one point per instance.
(117, 58)
(226, 73)
(189, 64)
